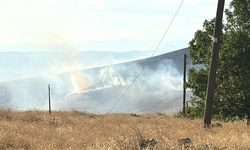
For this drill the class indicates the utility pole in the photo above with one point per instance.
(49, 99)
(214, 64)
(184, 84)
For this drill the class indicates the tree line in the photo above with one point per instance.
(232, 94)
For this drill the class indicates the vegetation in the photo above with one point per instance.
(71, 130)
(232, 96)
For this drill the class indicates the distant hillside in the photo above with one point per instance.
(19, 65)
(175, 57)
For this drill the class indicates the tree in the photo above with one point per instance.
(232, 95)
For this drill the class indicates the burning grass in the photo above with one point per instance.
(70, 130)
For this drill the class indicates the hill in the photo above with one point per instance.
(159, 88)
(175, 57)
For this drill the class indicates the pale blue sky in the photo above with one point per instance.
(99, 25)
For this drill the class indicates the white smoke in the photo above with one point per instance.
(110, 77)
(158, 89)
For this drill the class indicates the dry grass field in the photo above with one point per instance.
(70, 130)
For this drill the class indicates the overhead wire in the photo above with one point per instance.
(143, 68)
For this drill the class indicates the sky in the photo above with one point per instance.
(99, 25)
(93, 25)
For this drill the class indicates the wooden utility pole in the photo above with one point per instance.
(184, 84)
(49, 99)
(214, 64)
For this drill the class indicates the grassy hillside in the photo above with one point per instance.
(176, 57)
(70, 130)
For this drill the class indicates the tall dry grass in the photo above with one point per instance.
(70, 130)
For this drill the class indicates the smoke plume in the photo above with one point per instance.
(158, 89)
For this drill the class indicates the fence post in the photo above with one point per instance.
(248, 120)
(184, 85)
(49, 99)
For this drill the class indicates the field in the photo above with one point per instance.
(71, 130)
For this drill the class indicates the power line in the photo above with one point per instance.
(167, 29)
(143, 68)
